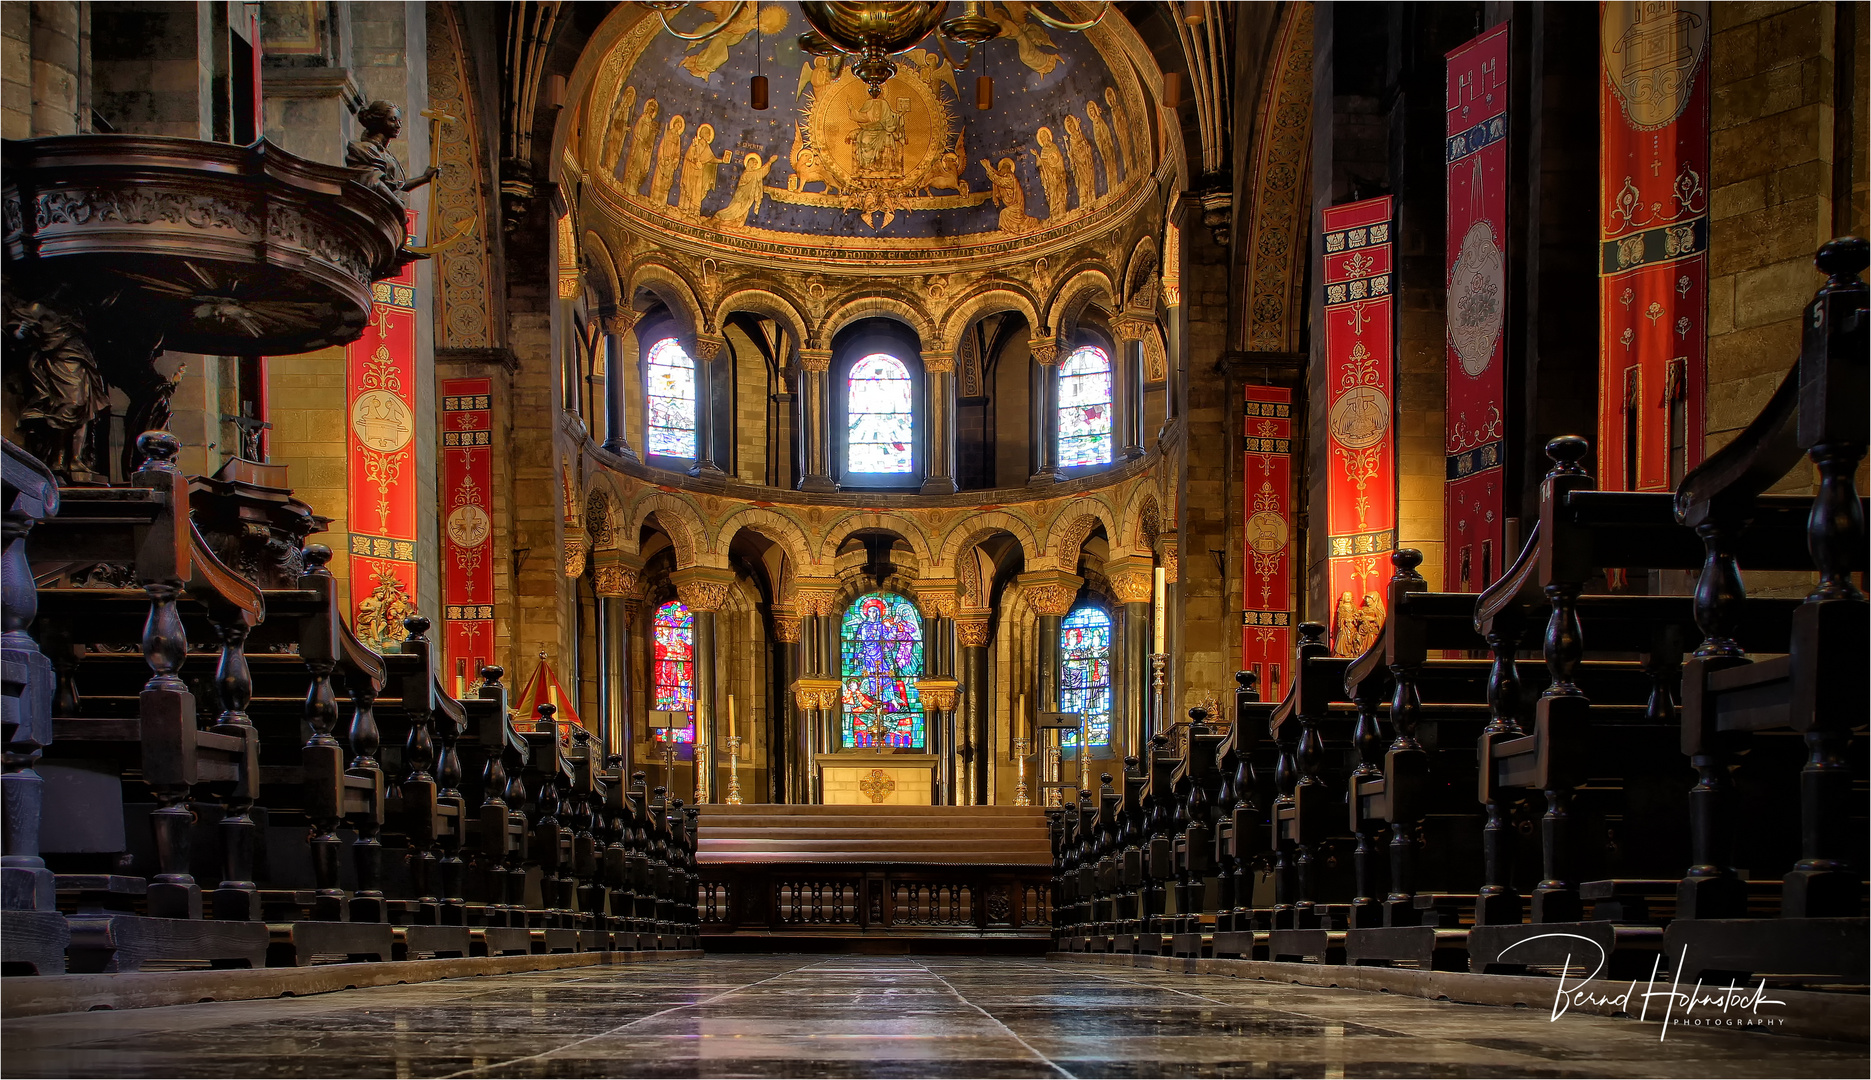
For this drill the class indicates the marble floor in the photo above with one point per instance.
(853, 1016)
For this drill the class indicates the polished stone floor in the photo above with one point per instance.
(851, 1016)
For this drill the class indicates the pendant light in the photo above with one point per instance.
(757, 87)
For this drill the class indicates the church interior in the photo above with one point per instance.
(855, 538)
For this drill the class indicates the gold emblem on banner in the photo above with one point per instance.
(1651, 51)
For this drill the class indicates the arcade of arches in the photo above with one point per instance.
(947, 442)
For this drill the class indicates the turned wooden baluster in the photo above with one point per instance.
(238, 896)
(1226, 800)
(367, 902)
(491, 856)
(1161, 828)
(1498, 903)
(1247, 798)
(1200, 831)
(30, 701)
(1285, 857)
(448, 784)
(1367, 740)
(1556, 899)
(1828, 879)
(418, 787)
(321, 714)
(517, 859)
(166, 705)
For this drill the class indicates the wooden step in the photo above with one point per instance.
(952, 835)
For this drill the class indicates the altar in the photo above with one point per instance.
(872, 779)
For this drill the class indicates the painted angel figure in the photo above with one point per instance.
(749, 192)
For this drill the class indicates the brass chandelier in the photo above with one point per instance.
(868, 34)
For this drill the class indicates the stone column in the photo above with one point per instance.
(615, 581)
(1132, 578)
(938, 598)
(617, 371)
(1127, 387)
(1051, 594)
(708, 349)
(938, 697)
(939, 413)
(1167, 547)
(705, 591)
(1045, 397)
(971, 638)
(815, 421)
(816, 691)
(786, 632)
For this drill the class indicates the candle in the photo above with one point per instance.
(1157, 610)
(731, 716)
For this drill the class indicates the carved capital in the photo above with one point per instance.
(815, 596)
(938, 361)
(616, 581)
(708, 347)
(1045, 350)
(786, 625)
(620, 321)
(1132, 326)
(1132, 586)
(1050, 592)
(815, 359)
(703, 588)
(938, 599)
(1167, 555)
(937, 694)
(971, 629)
(574, 556)
(817, 693)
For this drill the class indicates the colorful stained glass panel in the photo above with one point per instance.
(1085, 408)
(882, 659)
(1085, 672)
(674, 664)
(671, 397)
(881, 419)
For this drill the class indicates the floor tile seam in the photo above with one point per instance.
(507, 1063)
(1011, 1033)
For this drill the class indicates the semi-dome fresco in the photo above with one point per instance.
(671, 142)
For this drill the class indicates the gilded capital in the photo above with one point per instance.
(703, 588)
(786, 625)
(815, 359)
(938, 598)
(971, 629)
(620, 321)
(817, 693)
(1133, 327)
(1045, 350)
(574, 556)
(1050, 592)
(815, 596)
(938, 694)
(615, 581)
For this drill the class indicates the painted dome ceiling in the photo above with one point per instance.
(671, 147)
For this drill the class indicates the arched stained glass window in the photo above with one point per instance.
(883, 658)
(672, 400)
(1085, 408)
(674, 677)
(881, 422)
(1085, 672)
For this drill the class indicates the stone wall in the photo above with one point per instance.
(43, 50)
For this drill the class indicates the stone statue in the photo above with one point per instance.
(383, 122)
(61, 386)
(1052, 178)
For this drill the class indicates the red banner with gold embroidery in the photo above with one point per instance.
(1653, 161)
(1267, 537)
(1474, 428)
(380, 382)
(1360, 386)
(467, 524)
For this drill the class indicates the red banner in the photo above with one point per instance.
(380, 381)
(1476, 250)
(1267, 537)
(467, 524)
(1653, 160)
(1360, 387)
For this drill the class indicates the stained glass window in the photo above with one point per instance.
(674, 661)
(1085, 408)
(672, 400)
(880, 419)
(883, 657)
(1085, 672)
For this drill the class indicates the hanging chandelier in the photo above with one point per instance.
(868, 34)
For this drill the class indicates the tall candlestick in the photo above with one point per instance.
(1156, 611)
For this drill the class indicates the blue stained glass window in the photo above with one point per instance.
(881, 422)
(882, 659)
(671, 400)
(1085, 408)
(674, 664)
(1085, 672)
